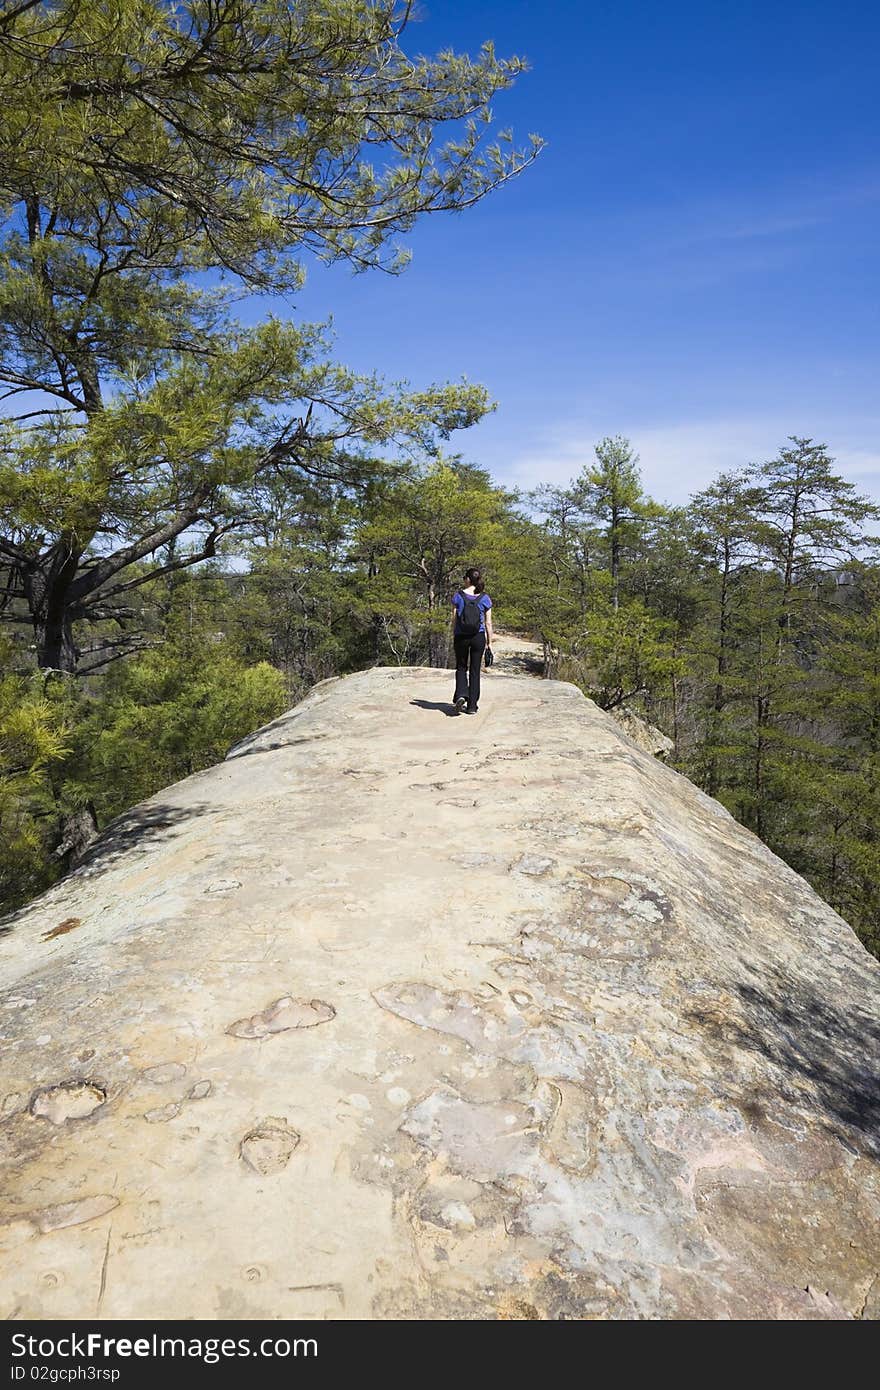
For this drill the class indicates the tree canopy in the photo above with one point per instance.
(232, 132)
(153, 157)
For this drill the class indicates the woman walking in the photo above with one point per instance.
(471, 636)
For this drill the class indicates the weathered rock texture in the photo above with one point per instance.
(646, 736)
(401, 1015)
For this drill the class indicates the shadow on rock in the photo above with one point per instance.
(441, 706)
(520, 663)
(138, 829)
(249, 750)
(835, 1050)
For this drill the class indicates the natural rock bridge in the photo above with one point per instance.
(399, 1015)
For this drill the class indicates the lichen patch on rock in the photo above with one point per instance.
(281, 1015)
(68, 1100)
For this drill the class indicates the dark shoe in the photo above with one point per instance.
(460, 702)
(470, 711)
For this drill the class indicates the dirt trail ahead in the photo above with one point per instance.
(516, 656)
(398, 1014)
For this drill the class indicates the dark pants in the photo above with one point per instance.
(468, 659)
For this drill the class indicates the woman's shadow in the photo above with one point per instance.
(440, 705)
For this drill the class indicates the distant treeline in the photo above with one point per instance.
(746, 625)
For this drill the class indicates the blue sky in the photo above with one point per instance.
(691, 262)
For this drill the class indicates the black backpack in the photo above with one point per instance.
(471, 616)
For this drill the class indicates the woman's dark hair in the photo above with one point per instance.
(474, 577)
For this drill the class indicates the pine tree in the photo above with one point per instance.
(849, 831)
(143, 144)
(612, 492)
(724, 542)
(809, 518)
(34, 741)
(421, 537)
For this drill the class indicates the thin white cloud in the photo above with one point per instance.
(792, 208)
(771, 226)
(679, 458)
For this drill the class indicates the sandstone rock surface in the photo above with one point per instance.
(401, 1015)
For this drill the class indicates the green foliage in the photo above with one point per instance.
(629, 654)
(34, 741)
(781, 656)
(234, 132)
(187, 458)
(847, 806)
(145, 143)
(167, 714)
(602, 547)
(766, 676)
(746, 628)
(808, 515)
(297, 604)
(611, 491)
(153, 719)
(422, 535)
